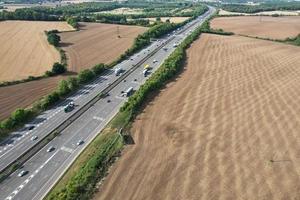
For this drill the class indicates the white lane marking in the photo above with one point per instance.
(20, 187)
(69, 150)
(136, 82)
(118, 97)
(98, 118)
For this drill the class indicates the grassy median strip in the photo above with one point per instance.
(80, 180)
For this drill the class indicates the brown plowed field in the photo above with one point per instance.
(24, 94)
(265, 26)
(97, 43)
(25, 50)
(213, 133)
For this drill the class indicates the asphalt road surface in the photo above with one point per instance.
(45, 168)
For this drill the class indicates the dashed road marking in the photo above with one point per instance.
(136, 82)
(119, 97)
(67, 149)
(20, 187)
(98, 118)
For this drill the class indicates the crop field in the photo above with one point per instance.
(97, 43)
(24, 94)
(25, 50)
(279, 12)
(227, 128)
(264, 26)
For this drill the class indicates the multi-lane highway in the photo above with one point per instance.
(44, 168)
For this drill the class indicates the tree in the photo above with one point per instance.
(86, 75)
(58, 68)
(19, 115)
(53, 39)
(72, 83)
(98, 69)
(63, 88)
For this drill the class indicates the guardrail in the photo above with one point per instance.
(11, 167)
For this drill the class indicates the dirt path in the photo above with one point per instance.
(264, 26)
(213, 133)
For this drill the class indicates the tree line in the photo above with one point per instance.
(262, 7)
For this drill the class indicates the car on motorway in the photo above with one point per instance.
(22, 173)
(34, 138)
(80, 142)
(118, 71)
(50, 149)
(69, 107)
(154, 61)
(129, 91)
(31, 128)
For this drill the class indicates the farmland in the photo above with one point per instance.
(97, 43)
(23, 95)
(279, 12)
(260, 26)
(227, 128)
(25, 50)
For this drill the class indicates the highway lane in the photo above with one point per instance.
(20, 141)
(45, 168)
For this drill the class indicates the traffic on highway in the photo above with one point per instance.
(78, 120)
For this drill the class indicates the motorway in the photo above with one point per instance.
(45, 168)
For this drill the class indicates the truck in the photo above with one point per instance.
(147, 66)
(129, 91)
(118, 71)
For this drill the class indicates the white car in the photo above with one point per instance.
(80, 142)
(34, 138)
(22, 173)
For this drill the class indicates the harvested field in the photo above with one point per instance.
(97, 43)
(25, 50)
(265, 26)
(227, 128)
(23, 95)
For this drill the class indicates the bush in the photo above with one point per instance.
(53, 38)
(49, 100)
(72, 83)
(98, 69)
(58, 68)
(85, 76)
(48, 73)
(73, 22)
(63, 88)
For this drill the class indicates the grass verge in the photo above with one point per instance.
(90, 167)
